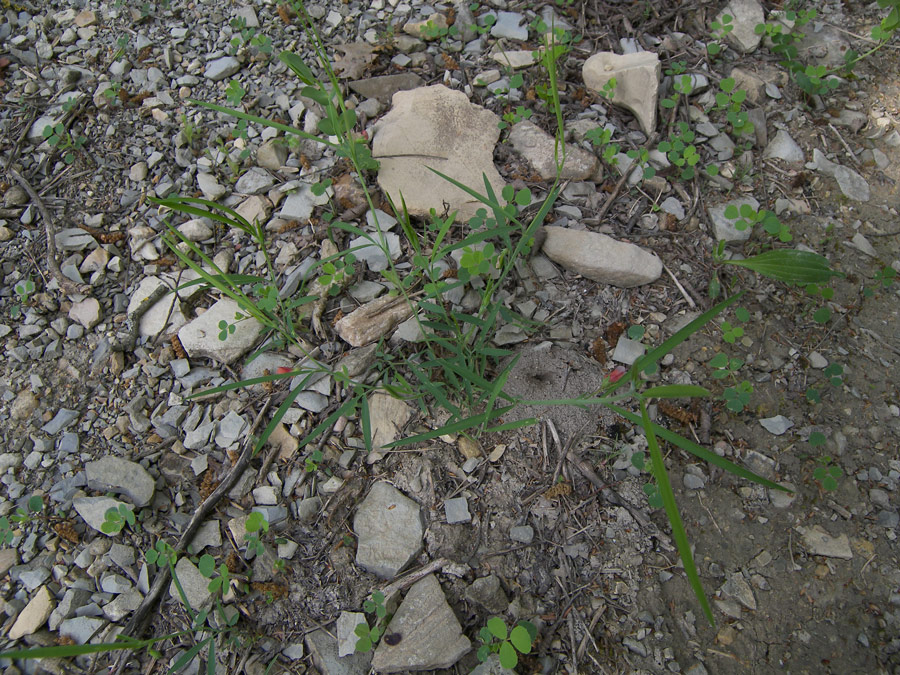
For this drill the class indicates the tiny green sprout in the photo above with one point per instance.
(313, 460)
(833, 372)
(115, 519)
(636, 332)
(369, 637)
(234, 93)
(738, 397)
(225, 329)
(827, 474)
(161, 554)
(318, 189)
(813, 395)
(507, 644)
(207, 567)
(654, 498)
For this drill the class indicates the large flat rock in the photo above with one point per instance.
(432, 636)
(438, 128)
(389, 527)
(601, 258)
(200, 337)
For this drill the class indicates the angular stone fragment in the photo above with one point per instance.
(389, 527)
(368, 323)
(745, 16)
(601, 258)
(432, 636)
(818, 542)
(725, 229)
(637, 82)
(538, 147)
(200, 337)
(93, 510)
(121, 475)
(435, 127)
(34, 615)
(388, 415)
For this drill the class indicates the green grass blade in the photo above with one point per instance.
(280, 413)
(366, 422)
(262, 379)
(456, 427)
(680, 336)
(500, 383)
(346, 409)
(676, 391)
(700, 452)
(286, 128)
(186, 658)
(211, 659)
(64, 651)
(671, 508)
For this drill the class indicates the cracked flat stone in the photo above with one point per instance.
(222, 68)
(438, 128)
(388, 415)
(166, 311)
(389, 527)
(601, 258)
(63, 418)
(782, 146)
(370, 322)
(194, 585)
(432, 636)
(818, 542)
(538, 147)
(637, 82)
(200, 337)
(123, 476)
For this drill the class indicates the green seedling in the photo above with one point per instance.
(651, 490)
(62, 140)
(116, 518)
(111, 93)
(680, 150)
(23, 290)
(369, 637)
(642, 157)
(226, 329)
(219, 584)
(256, 525)
(826, 473)
(506, 644)
(20, 516)
(601, 139)
(719, 30)
(883, 279)
(234, 93)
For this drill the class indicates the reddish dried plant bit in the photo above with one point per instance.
(617, 374)
(281, 370)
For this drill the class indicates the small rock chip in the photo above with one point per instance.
(35, 614)
(86, 312)
(818, 542)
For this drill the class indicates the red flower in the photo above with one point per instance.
(617, 374)
(281, 370)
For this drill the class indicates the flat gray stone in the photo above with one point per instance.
(488, 593)
(457, 510)
(346, 637)
(300, 203)
(63, 418)
(93, 510)
(537, 146)
(737, 587)
(601, 258)
(74, 239)
(272, 154)
(628, 351)
(776, 425)
(439, 128)
(200, 337)
(432, 636)
(372, 254)
(81, 629)
(818, 542)
(323, 648)
(210, 187)
(194, 585)
(254, 181)
(389, 527)
(165, 312)
(123, 476)
(221, 68)
(746, 14)
(782, 146)
(724, 228)
(510, 25)
(523, 534)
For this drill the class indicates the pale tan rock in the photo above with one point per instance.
(515, 58)
(388, 416)
(601, 258)
(374, 319)
(637, 82)
(745, 16)
(35, 614)
(538, 147)
(272, 154)
(282, 439)
(427, 29)
(438, 128)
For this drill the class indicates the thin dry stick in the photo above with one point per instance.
(64, 282)
(684, 293)
(136, 624)
(413, 577)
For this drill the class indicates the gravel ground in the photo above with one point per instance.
(549, 523)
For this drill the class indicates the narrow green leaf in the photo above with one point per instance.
(790, 266)
(462, 425)
(668, 499)
(676, 391)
